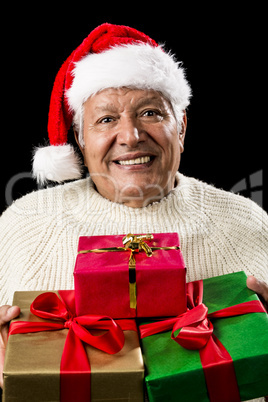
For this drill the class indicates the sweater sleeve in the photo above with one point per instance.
(251, 225)
(258, 243)
(241, 230)
(13, 225)
(38, 248)
(20, 228)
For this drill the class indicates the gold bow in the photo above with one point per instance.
(134, 244)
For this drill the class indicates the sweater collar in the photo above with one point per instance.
(98, 202)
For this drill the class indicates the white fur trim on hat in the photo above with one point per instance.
(140, 66)
(56, 163)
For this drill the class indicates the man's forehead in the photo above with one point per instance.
(113, 98)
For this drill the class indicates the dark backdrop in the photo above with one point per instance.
(222, 49)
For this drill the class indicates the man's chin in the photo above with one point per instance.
(135, 190)
(138, 197)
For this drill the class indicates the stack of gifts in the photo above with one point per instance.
(133, 329)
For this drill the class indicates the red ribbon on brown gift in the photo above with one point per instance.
(75, 367)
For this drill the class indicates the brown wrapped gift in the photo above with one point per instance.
(32, 364)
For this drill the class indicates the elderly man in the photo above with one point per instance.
(126, 98)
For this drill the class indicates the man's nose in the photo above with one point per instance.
(129, 133)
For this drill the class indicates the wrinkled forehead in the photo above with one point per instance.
(119, 99)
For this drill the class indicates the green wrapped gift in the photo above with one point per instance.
(234, 321)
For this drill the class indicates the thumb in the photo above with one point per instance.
(7, 314)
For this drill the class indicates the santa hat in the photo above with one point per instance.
(112, 56)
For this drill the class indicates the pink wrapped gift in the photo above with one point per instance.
(130, 276)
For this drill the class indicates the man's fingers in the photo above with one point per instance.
(258, 286)
(261, 288)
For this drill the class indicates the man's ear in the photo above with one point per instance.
(183, 131)
(76, 136)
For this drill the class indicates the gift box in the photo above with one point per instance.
(43, 366)
(129, 276)
(217, 351)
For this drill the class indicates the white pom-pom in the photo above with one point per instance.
(56, 163)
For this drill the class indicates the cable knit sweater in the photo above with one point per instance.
(219, 232)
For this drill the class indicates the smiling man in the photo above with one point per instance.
(131, 145)
(126, 98)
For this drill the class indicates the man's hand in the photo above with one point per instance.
(261, 288)
(7, 313)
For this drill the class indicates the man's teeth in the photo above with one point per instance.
(136, 161)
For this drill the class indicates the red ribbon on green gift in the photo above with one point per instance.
(196, 333)
(75, 367)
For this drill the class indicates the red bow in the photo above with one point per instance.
(75, 367)
(196, 332)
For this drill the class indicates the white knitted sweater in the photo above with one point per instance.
(219, 232)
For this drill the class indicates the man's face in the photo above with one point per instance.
(132, 146)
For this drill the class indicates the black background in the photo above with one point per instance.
(223, 49)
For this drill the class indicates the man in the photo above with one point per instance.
(126, 98)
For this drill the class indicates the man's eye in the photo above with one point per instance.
(105, 120)
(150, 113)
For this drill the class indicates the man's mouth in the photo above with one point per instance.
(136, 161)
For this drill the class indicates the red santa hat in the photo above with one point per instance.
(112, 56)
